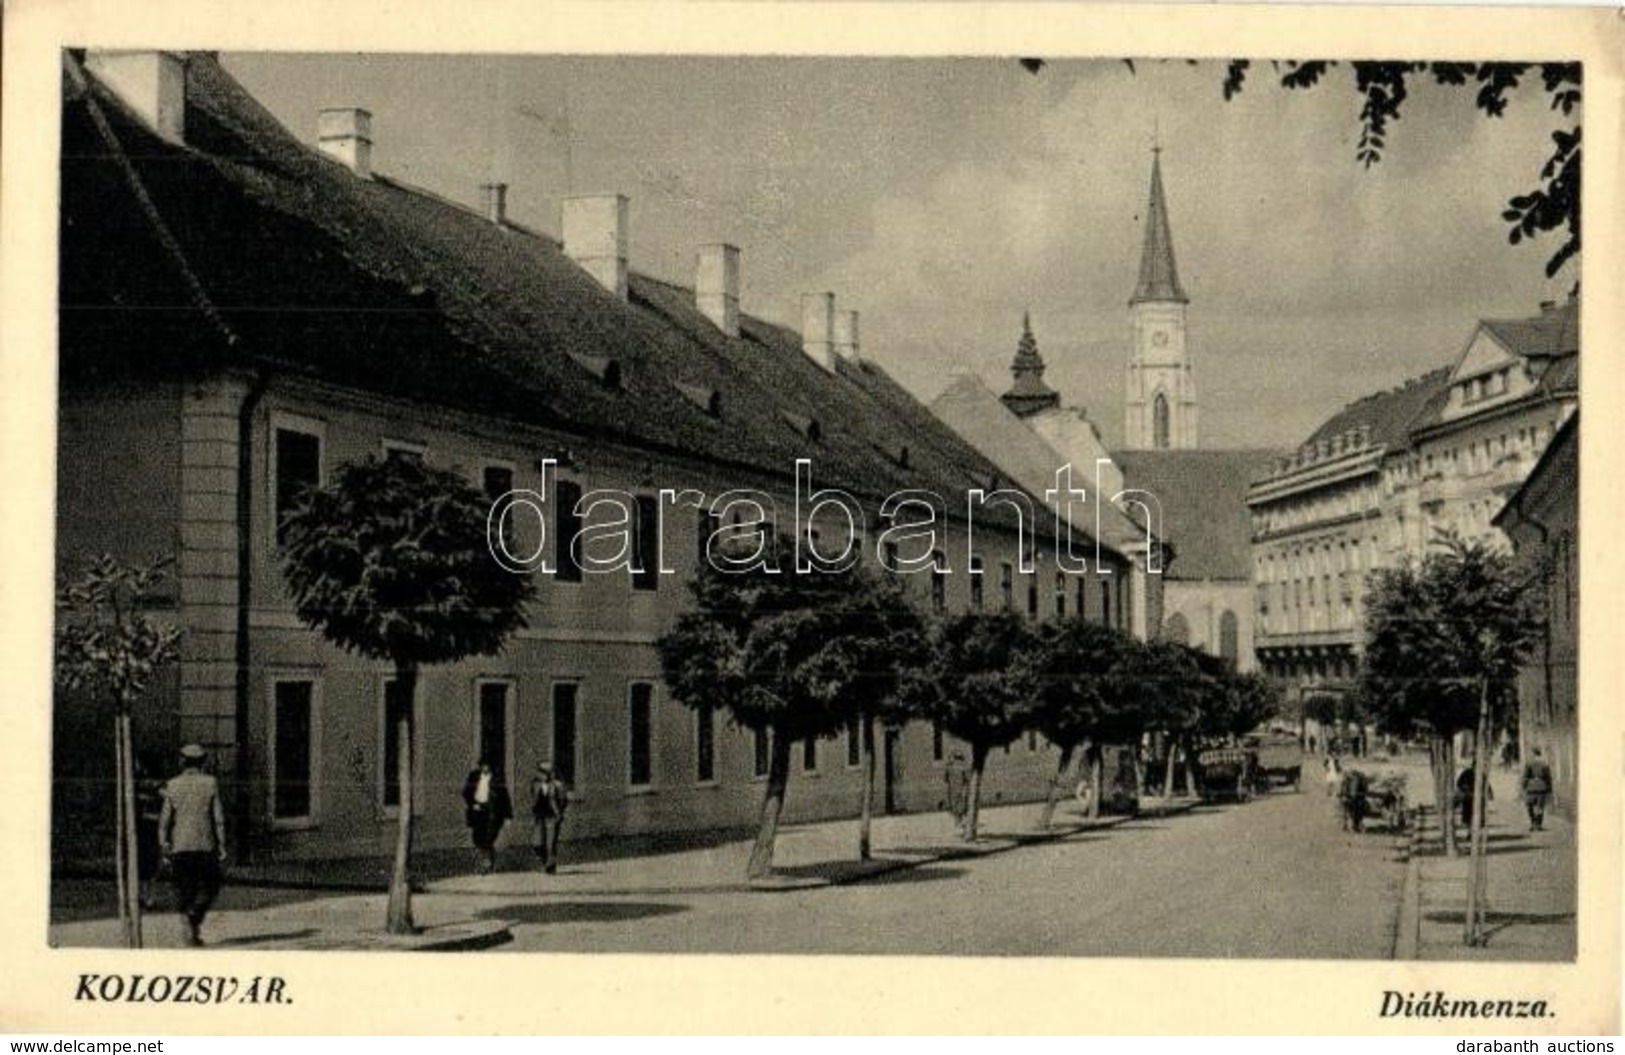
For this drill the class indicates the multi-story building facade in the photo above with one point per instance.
(1378, 482)
(1543, 520)
(241, 313)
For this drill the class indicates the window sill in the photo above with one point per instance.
(641, 789)
(707, 785)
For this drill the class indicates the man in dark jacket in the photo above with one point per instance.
(548, 800)
(1537, 788)
(487, 806)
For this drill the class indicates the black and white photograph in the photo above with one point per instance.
(966, 505)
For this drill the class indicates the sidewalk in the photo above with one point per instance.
(1531, 892)
(805, 856)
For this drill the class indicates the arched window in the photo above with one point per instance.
(1177, 630)
(1229, 648)
(1159, 422)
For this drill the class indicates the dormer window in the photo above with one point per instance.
(706, 398)
(806, 426)
(604, 368)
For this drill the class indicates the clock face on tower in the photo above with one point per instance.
(1159, 338)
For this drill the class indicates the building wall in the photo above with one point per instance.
(118, 486)
(1200, 609)
(597, 635)
(1546, 533)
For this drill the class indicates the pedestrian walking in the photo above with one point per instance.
(192, 835)
(149, 811)
(1464, 793)
(548, 800)
(956, 775)
(1536, 786)
(487, 806)
(1333, 775)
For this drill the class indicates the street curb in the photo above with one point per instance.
(1408, 929)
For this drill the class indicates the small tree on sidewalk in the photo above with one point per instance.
(1076, 659)
(391, 561)
(108, 644)
(789, 655)
(980, 682)
(1444, 642)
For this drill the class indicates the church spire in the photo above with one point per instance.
(1159, 278)
(1029, 394)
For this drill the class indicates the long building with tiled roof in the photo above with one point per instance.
(241, 312)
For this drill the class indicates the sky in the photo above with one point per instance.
(942, 198)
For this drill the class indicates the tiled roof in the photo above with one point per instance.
(1203, 496)
(373, 284)
(1390, 413)
(971, 409)
(1551, 333)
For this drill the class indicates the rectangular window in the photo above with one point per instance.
(564, 730)
(809, 755)
(1007, 587)
(1106, 604)
(395, 704)
(1032, 596)
(976, 596)
(491, 732)
(1060, 595)
(854, 744)
(705, 744)
(759, 748)
(939, 582)
(1032, 741)
(646, 540)
(640, 735)
(936, 742)
(298, 469)
(1083, 595)
(293, 752)
(566, 532)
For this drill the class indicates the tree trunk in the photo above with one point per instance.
(123, 862)
(400, 880)
(973, 808)
(867, 810)
(1473, 933)
(1061, 767)
(1097, 776)
(1447, 783)
(1168, 774)
(778, 778)
(132, 868)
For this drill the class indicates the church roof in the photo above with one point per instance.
(1028, 393)
(1159, 278)
(1203, 497)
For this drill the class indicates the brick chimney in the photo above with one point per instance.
(716, 286)
(344, 133)
(846, 335)
(595, 236)
(151, 83)
(495, 196)
(818, 328)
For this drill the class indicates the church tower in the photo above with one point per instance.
(1028, 394)
(1160, 411)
